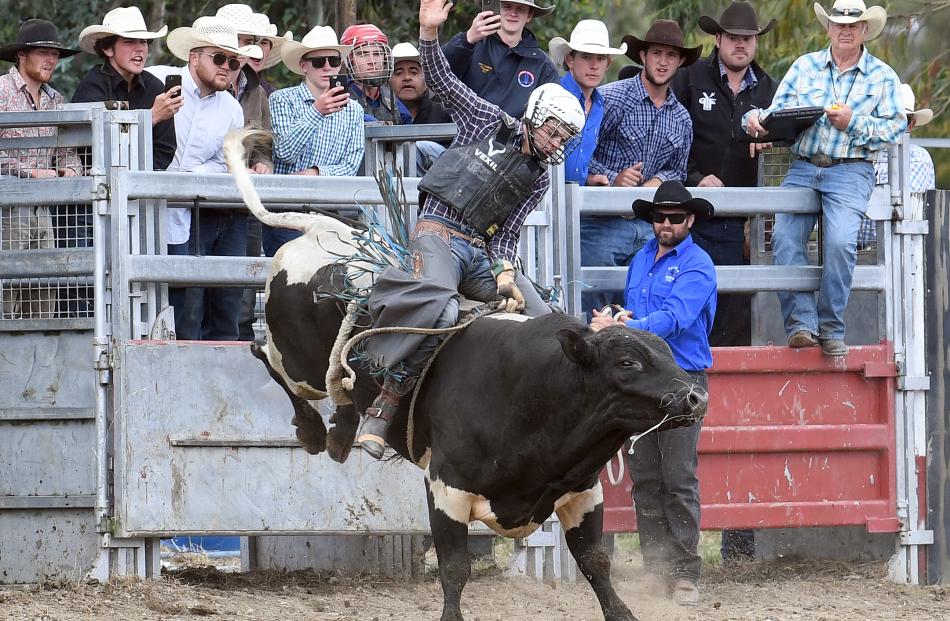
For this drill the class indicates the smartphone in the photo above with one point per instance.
(337, 80)
(172, 80)
(490, 5)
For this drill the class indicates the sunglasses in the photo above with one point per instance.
(219, 59)
(674, 218)
(319, 62)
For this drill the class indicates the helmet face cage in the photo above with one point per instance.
(539, 139)
(370, 63)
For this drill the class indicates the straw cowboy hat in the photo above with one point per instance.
(924, 115)
(405, 51)
(320, 38)
(590, 36)
(122, 22)
(208, 32)
(662, 32)
(539, 11)
(35, 33)
(851, 11)
(672, 194)
(247, 22)
(738, 18)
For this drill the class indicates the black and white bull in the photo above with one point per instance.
(514, 421)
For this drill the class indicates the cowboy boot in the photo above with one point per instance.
(378, 417)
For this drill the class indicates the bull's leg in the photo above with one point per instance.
(341, 435)
(583, 521)
(311, 431)
(451, 548)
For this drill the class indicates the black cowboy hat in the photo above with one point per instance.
(35, 33)
(673, 194)
(662, 32)
(739, 18)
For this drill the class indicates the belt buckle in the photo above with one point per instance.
(821, 160)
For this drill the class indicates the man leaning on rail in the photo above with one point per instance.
(863, 114)
(479, 193)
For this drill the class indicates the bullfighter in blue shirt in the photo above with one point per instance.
(671, 292)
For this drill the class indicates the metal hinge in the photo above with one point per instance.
(917, 538)
(911, 227)
(103, 366)
(909, 383)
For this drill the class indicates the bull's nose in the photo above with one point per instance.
(697, 400)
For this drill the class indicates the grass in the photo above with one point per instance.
(629, 543)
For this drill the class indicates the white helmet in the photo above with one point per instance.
(553, 102)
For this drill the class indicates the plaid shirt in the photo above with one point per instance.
(749, 80)
(476, 120)
(870, 88)
(15, 97)
(634, 130)
(304, 138)
(920, 178)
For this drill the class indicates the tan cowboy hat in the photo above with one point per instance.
(247, 22)
(590, 36)
(122, 22)
(208, 32)
(405, 51)
(539, 11)
(924, 115)
(320, 38)
(851, 11)
(738, 18)
(662, 32)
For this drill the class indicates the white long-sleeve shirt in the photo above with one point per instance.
(200, 127)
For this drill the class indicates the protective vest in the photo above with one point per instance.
(486, 180)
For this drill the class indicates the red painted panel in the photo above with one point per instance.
(792, 438)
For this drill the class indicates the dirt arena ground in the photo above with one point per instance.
(755, 591)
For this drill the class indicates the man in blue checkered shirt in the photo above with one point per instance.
(863, 115)
(644, 140)
(479, 193)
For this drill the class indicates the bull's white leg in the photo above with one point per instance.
(450, 537)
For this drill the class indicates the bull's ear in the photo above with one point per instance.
(576, 347)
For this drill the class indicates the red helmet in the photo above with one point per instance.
(360, 34)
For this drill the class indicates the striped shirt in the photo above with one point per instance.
(304, 138)
(749, 80)
(635, 130)
(870, 88)
(476, 120)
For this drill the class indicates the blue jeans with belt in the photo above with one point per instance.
(610, 241)
(845, 190)
(210, 314)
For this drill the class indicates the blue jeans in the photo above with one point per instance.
(272, 238)
(210, 314)
(610, 241)
(845, 190)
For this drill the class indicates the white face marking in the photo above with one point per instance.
(509, 317)
(572, 507)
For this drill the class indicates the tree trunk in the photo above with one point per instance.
(345, 14)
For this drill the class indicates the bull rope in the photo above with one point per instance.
(334, 371)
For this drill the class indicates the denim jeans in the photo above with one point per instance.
(845, 190)
(249, 297)
(210, 314)
(610, 241)
(666, 498)
(272, 238)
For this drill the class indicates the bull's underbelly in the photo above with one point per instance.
(466, 507)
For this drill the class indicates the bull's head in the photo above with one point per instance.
(642, 385)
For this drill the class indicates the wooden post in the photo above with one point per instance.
(345, 14)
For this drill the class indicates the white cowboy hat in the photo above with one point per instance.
(320, 38)
(589, 35)
(924, 115)
(539, 11)
(123, 22)
(247, 22)
(405, 51)
(208, 32)
(851, 11)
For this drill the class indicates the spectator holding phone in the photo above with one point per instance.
(499, 58)
(318, 128)
(121, 41)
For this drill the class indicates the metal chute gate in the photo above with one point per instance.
(115, 445)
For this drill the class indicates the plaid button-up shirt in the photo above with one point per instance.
(15, 97)
(476, 120)
(634, 130)
(304, 138)
(870, 88)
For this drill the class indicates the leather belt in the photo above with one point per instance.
(823, 161)
(434, 226)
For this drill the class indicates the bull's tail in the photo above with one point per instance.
(234, 155)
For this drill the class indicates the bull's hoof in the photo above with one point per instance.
(311, 431)
(341, 435)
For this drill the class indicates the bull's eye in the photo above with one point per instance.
(635, 365)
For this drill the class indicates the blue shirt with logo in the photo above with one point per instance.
(674, 298)
(578, 162)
